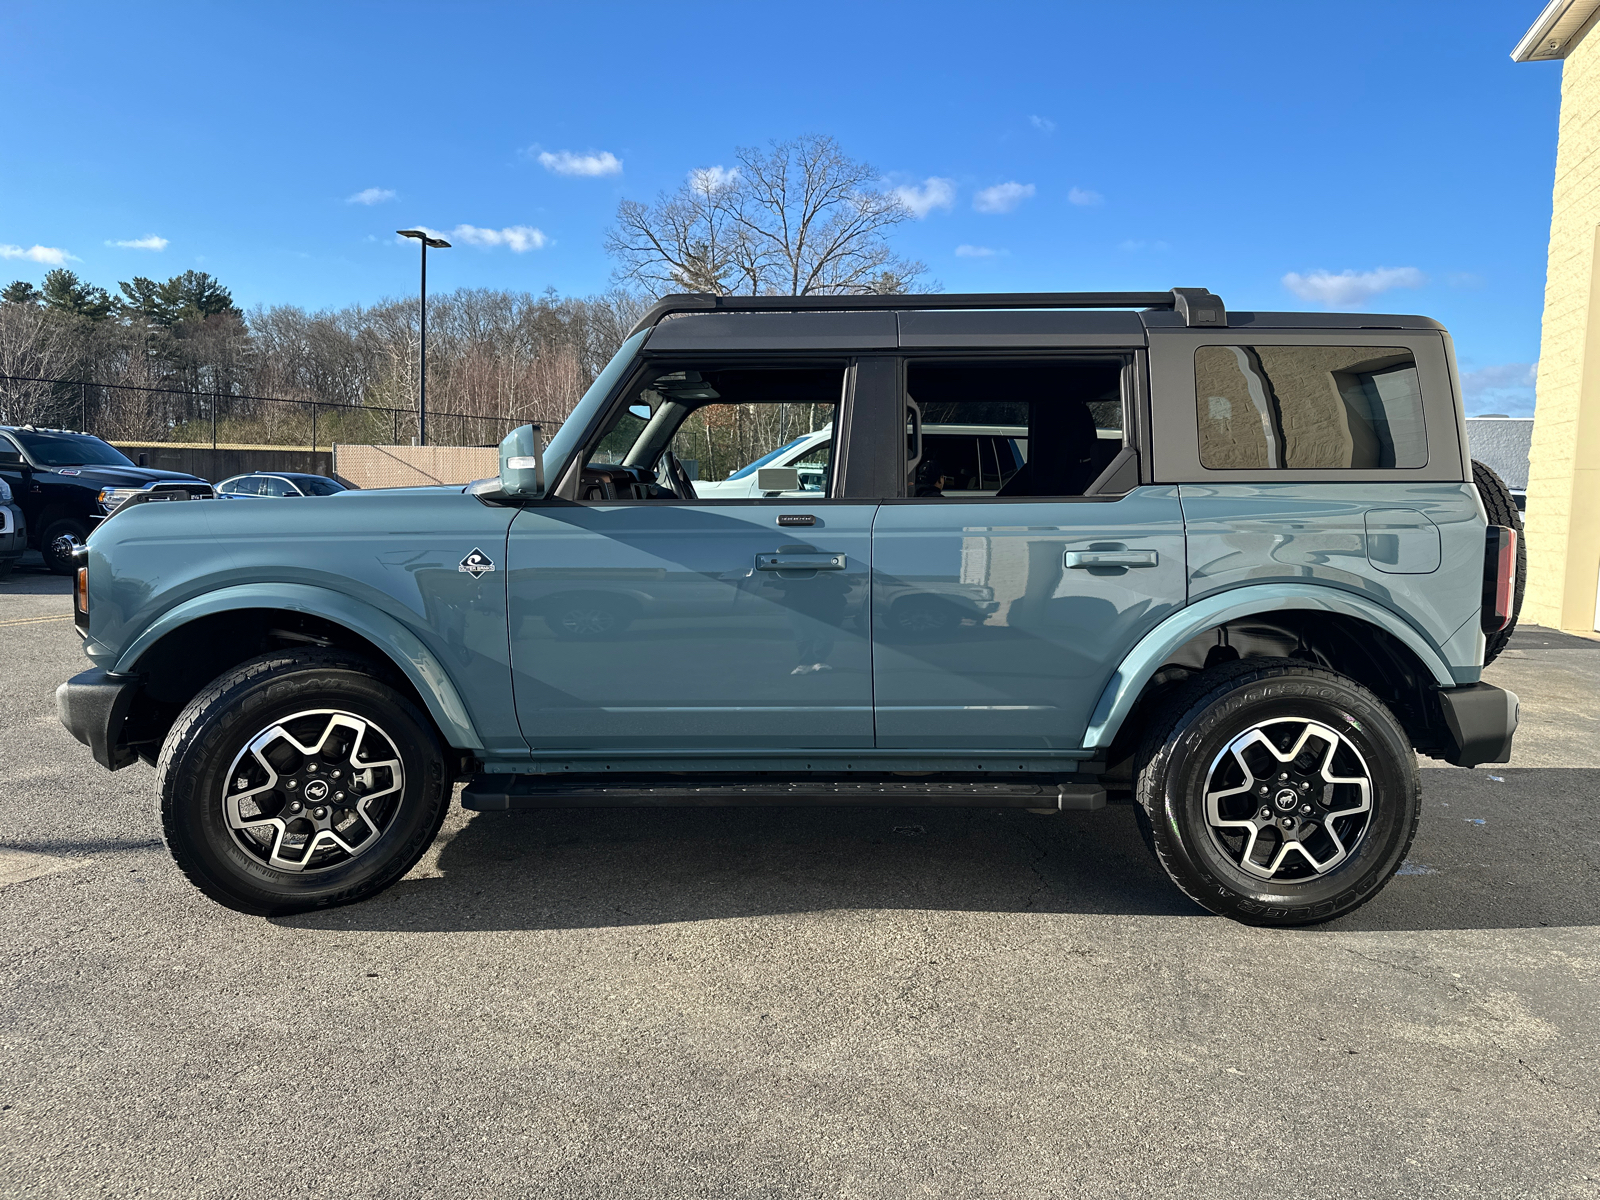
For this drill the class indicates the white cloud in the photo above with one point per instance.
(965, 251)
(517, 238)
(1002, 197)
(934, 193)
(1085, 197)
(594, 163)
(713, 179)
(1042, 124)
(1503, 388)
(372, 195)
(1351, 288)
(145, 243)
(39, 254)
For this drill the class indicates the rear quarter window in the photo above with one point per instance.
(1309, 407)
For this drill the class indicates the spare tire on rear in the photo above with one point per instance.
(1502, 510)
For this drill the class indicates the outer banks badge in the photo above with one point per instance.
(477, 564)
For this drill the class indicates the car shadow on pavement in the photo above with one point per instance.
(581, 868)
(1498, 848)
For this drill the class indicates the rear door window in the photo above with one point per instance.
(1011, 429)
(1309, 407)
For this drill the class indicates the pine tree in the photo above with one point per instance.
(65, 292)
(20, 291)
(192, 296)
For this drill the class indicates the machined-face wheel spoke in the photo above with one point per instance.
(1288, 799)
(313, 791)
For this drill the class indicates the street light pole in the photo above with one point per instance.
(422, 383)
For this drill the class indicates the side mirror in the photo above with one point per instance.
(778, 479)
(11, 458)
(522, 463)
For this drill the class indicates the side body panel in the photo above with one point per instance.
(1122, 690)
(1416, 549)
(674, 626)
(396, 553)
(994, 628)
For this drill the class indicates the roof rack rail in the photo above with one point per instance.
(1196, 306)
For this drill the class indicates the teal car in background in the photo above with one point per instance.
(1062, 550)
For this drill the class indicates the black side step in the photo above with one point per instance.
(489, 793)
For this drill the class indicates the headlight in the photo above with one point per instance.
(5, 492)
(113, 496)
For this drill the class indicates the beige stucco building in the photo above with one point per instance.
(1563, 527)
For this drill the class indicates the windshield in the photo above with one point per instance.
(315, 485)
(565, 440)
(743, 472)
(70, 450)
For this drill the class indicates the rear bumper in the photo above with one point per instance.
(1481, 720)
(94, 707)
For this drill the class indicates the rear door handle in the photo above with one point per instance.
(1109, 558)
(800, 562)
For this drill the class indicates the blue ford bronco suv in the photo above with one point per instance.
(1237, 568)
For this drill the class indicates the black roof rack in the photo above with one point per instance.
(1197, 306)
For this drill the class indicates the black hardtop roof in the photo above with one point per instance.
(1175, 307)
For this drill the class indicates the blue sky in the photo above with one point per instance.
(1264, 150)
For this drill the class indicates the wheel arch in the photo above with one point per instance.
(1345, 632)
(194, 642)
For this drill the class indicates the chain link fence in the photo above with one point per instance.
(117, 412)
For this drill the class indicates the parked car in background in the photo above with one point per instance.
(280, 484)
(66, 482)
(13, 530)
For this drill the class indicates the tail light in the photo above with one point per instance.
(1499, 577)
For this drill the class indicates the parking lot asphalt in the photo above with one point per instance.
(766, 1003)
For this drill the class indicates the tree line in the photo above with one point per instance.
(498, 358)
(800, 217)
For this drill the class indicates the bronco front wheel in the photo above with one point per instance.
(1279, 793)
(300, 780)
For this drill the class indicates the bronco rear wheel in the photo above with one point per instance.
(300, 780)
(1278, 793)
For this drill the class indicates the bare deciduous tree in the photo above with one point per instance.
(801, 218)
(495, 358)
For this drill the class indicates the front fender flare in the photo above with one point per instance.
(1142, 662)
(402, 647)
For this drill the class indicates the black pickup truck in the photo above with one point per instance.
(66, 482)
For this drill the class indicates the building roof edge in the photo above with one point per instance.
(1556, 30)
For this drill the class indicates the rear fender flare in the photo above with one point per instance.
(1127, 683)
(403, 648)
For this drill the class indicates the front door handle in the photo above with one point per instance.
(800, 562)
(1109, 558)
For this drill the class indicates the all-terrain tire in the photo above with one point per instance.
(1188, 739)
(1502, 510)
(194, 773)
